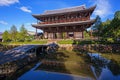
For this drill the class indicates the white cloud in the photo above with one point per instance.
(8, 2)
(25, 9)
(3, 22)
(103, 8)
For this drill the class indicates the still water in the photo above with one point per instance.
(104, 69)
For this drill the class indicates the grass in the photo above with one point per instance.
(31, 42)
(70, 41)
(65, 42)
(73, 63)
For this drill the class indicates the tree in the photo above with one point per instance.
(86, 35)
(97, 27)
(113, 29)
(13, 33)
(117, 14)
(6, 36)
(97, 24)
(106, 23)
(104, 28)
(23, 33)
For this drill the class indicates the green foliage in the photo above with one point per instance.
(110, 40)
(106, 23)
(117, 15)
(76, 42)
(29, 42)
(15, 36)
(13, 33)
(113, 29)
(63, 35)
(86, 42)
(86, 35)
(22, 36)
(6, 36)
(105, 28)
(110, 29)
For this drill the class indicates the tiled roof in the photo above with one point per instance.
(77, 8)
(63, 24)
(64, 11)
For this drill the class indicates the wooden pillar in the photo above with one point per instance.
(59, 35)
(53, 35)
(46, 35)
(36, 33)
(82, 34)
(67, 35)
(91, 34)
(73, 35)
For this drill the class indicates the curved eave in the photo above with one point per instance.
(63, 24)
(38, 16)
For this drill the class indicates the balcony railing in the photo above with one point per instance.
(66, 20)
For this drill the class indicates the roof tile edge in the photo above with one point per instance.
(81, 6)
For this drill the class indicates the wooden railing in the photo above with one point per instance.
(66, 20)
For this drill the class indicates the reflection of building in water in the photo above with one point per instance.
(104, 69)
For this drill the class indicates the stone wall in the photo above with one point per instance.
(115, 48)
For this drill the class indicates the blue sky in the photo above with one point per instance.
(20, 12)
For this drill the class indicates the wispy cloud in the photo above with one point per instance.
(3, 22)
(8, 2)
(103, 8)
(25, 9)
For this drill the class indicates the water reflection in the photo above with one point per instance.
(104, 69)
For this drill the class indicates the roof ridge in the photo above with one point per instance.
(81, 6)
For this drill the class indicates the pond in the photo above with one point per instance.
(34, 74)
(104, 69)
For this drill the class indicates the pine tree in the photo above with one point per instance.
(13, 33)
(23, 33)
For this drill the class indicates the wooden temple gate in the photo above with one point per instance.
(65, 23)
